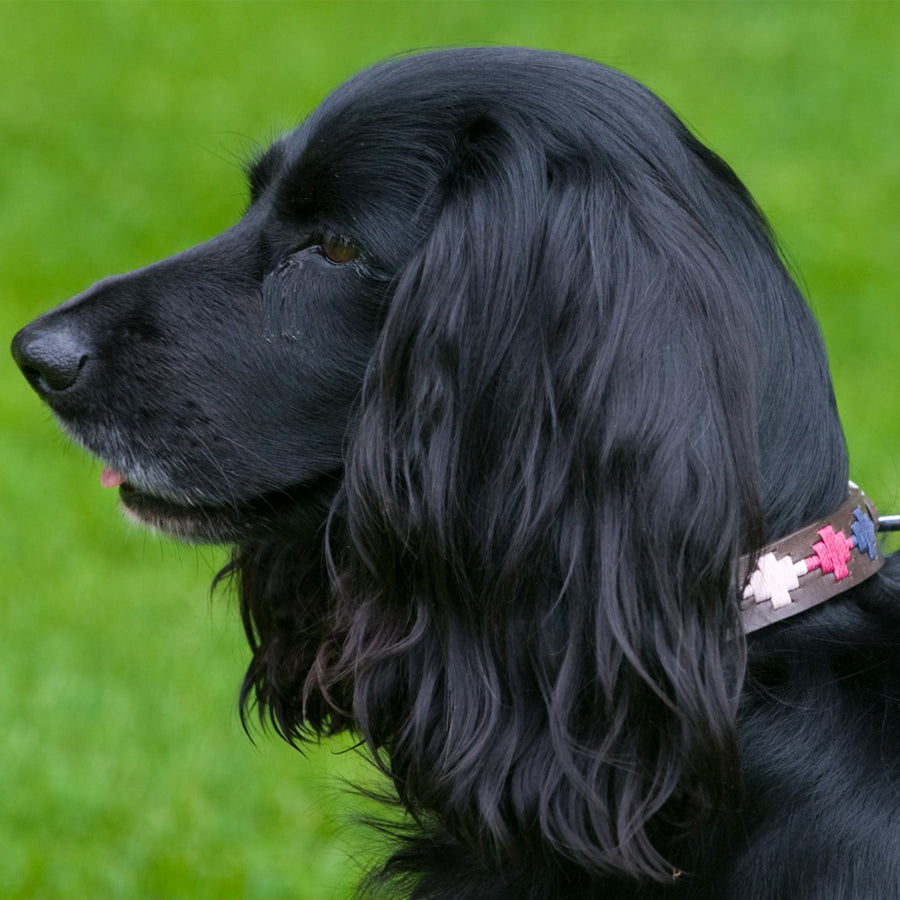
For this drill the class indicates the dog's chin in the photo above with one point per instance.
(299, 512)
(199, 524)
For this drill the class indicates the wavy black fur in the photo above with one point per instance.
(489, 467)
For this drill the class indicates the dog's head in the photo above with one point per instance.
(529, 344)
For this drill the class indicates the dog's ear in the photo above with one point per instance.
(554, 474)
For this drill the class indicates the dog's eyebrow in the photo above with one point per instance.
(261, 169)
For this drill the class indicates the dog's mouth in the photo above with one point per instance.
(194, 522)
(298, 510)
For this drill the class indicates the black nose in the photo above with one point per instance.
(51, 355)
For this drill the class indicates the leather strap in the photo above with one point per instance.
(812, 565)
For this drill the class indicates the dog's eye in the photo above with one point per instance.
(338, 251)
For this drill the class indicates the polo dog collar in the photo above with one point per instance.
(814, 564)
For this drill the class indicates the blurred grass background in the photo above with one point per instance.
(123, 769)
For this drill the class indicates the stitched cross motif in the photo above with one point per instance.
(774, 579)
(863, 529)
(831, 553)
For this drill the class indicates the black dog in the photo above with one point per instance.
(492, 386)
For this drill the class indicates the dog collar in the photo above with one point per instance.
(814, 564)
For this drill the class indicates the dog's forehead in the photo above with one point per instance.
(378, 151)
(396, 123)
(414, 104)
(346, 169)
(357, 155)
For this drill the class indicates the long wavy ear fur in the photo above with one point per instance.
(529, 606)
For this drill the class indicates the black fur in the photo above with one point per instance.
(488, 476)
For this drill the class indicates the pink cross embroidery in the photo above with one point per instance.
(832, 553)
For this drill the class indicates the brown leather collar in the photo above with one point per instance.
(812, 565)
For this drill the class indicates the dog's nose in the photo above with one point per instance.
(51, 356)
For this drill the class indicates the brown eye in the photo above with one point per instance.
(337, 251)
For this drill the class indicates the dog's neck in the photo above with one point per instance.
(811, 565)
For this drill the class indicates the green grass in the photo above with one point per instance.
(123, 769)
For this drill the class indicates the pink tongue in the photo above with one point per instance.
(110, 478)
